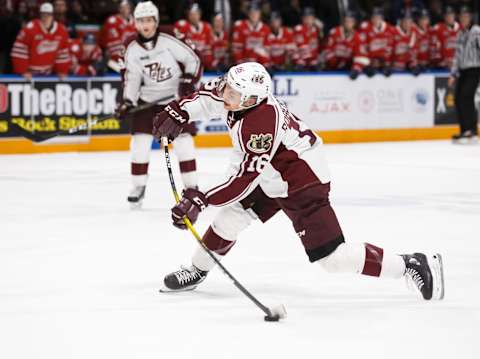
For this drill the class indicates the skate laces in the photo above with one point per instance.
(186, 275)
(415, 277)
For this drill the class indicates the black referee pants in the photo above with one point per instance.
(465, 89)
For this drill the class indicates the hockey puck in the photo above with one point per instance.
(273, 318)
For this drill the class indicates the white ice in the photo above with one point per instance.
(80, 272)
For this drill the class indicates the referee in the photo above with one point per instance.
(466, 72)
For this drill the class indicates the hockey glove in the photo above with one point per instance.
(122, 110)
(170, 121)
(192, 203)
(186, 86)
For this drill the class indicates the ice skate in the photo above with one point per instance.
(465, 138)
(425, 275)
(184, 279)
(135, 198)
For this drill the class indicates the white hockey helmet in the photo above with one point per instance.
(251, 80)
(145, 9)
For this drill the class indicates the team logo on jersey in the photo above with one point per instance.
(260, 143)
(47, 46)
(157, 72)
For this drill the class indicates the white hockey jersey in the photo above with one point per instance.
(153, 69)
(271, 148)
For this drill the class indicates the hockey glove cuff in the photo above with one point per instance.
(192, 203)
(186, 86)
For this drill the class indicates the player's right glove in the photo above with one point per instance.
(192, 203)
(122, 110)
(170, 121)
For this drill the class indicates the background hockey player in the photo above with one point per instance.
(444, 40)
(153, 74)
(404, 47)
(307, 37)
(220, 44)
(378, 36)
(41, 47)
(115, 31)
(423, 32)
(249, 38)
(198, 32)
(280, 42)
(86, 56)
(345, 50)
(277, 164)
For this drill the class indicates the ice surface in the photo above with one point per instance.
(79, 271)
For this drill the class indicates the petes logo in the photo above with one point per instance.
(260, 143)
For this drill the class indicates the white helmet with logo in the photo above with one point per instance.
(145, 9)
(251, 80)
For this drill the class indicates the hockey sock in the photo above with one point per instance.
(185, 150)
(364, 259)
(217, 245)
(140, 146)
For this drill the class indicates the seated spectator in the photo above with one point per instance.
(307, 37)
(377, 35)
(424, 35)
(404, 47)
(86, 56)
(116, 29)
(77, 14)
(249, 40)
(60, 9)
(198, 32)
(345, 50)
(41, 47)
(280, 44)
(220, 45)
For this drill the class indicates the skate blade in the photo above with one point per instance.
(168, 290)
(436, 266)
(135, 206)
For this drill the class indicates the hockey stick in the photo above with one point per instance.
(35, 137)
(272, 314)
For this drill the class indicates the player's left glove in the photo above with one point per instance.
(170, 121)
(186, 86)
(192, 203)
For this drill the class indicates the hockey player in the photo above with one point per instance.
(220, 44)
(249, 38)
(423, 32)
(280, 43)
(404, 47)
(345, 50)
(277, 164)
(115, 31)
(198, 32)
(444, 40)
(86, 56)
(41, 47)
(377, 34)
(153, 74)
(307, 40)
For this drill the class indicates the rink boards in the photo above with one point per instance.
(402, 107)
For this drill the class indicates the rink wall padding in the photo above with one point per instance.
(402, 107)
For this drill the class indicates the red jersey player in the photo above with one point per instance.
(444, 40)
(277, 164)
(280, 43)
(378, 36)
(86, 56)
(424, 34)
(404, 53)
(220, 44)
(249, 38)
(41, 47)
(345, 50)
(198, 32)
(116, 30)
(307, 39)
